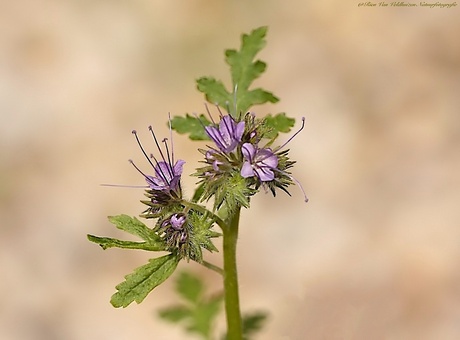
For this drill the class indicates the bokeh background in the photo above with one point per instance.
(375, 254)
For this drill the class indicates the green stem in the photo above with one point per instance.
(213, 267)
(203, 210)
(232, 301)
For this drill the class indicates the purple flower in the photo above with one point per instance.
(177, 221)
(258, 162)
(167, 176)
(166, 179)
(173, 231)
(227, 135)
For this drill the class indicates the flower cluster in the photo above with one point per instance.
(183, 231)
(163, 188)
(173, 230)
(239, 156)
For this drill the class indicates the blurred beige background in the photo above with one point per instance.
(375, 254)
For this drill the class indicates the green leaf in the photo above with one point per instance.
(214, 91)
(191, 125)
(204, 315)
(143, 280)
(199, 312)
(244, 70)
(189, 287)
(107, 242)
(254, 97)
(252, 323)
(175, 313)
(278, 123)
(135, 227)
(198, 193)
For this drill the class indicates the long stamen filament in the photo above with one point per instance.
(135, 166)
(157, 144)
(209, 113)
(170, 168)
(171, 137)
(158, 170)
(134, 132)
(220, 112)
(234, 100)
(292, 137)
(293, 179)
(123, 186)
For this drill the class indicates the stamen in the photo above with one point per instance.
(198, 118)
(123, 186)
(292, 137)
(157, 144)
(171, 137)
(134, 132)
(158, 170)
(234, 100)
(295, 180)
(171, 170)
(227, 105)
(209, 114)
(220, 112)
(135, 166)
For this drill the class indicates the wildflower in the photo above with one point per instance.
(227, 135)
(173, 230)
(269, 166)
(164, 185)
(258, 162)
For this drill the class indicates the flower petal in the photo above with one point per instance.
(247, 170)
(266, 157)
(214, 134)
(265, 174)
(239, 131)
(163, 171)
(226, 128)
(178, 167)
(248, 151)
(177, 222)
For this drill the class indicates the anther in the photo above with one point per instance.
(292, 137)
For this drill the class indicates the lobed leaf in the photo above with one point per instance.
(255, 97)
(244, 70)
(107, 242)
(252, 323)
(214, 91)
(143, 280)
(189, 287)
(135, 227)
(191, 125)
(204, 315)
(199, 311)
(278, 123)
(175, 313)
